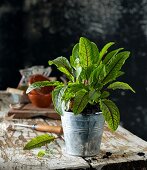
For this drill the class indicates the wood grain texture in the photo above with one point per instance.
(118, 149)
(12, 155)
(29, 111)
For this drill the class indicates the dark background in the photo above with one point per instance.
(34, 31)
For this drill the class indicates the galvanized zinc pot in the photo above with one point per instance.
(82, 133)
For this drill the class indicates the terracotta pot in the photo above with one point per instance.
(40, 97)
(39, 77)
(40, 100)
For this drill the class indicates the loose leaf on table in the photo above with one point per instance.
(40, 84)
(120, 85)
(80, 101)
(41, 153)
(39, 141)
(110, 113)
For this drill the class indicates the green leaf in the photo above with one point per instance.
(39, 141)
(65, 71)
(63, 65)
(75, 87)
(41, 153)
(120, 73)
(104, 51)
(40, 84)
(114, 67)
(110, 113)
(110, 56)
(68, 96)
(95, 52)
(97, 75)
(85, 52)
(74, 59)
(57, 97)
(105, 94)
(75, 62)
(94, 95)
(77, 69)
(80, 101)
(87, 71)
(72, 89)
(78, 72)
(120, 85)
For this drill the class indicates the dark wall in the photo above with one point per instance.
(32, 32)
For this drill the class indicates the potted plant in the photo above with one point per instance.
(83, 102)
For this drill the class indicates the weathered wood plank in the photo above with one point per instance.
(119, 147)
(12, 155)
(28, 111)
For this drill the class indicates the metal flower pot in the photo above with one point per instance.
(82, 133)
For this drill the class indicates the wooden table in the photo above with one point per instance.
(119, 150)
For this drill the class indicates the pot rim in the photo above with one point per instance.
(81, 114)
